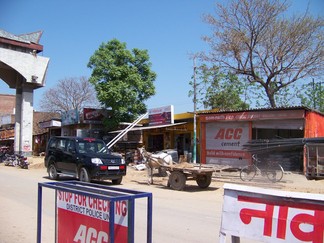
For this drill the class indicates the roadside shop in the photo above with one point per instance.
(229, 138)
(163, 130)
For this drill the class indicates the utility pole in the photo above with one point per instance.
(194, 152)
(320, 95)
(314, 95)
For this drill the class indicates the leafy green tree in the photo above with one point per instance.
(257, 41)
(312, 95)
(123, 80)
(217, 90)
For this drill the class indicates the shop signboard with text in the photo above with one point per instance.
(83, 218)
(161, 116)
(271, 215)
(224, 142)
(95, 116)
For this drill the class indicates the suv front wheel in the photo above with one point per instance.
(52, 172)
(84, 175)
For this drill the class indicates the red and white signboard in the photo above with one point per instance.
(224, 142)
(95, 116)
(272, 215)
(83, 219)
(253, 116)
(161, 116)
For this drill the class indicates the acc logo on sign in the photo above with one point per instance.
(229, 133)
(85, 235)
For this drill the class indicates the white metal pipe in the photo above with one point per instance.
(130, 126)
(122, 133)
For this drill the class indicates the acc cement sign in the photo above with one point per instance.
(224, 142)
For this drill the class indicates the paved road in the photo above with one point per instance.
(18, 203)
(189, 216)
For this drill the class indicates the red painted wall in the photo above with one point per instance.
(314, 125)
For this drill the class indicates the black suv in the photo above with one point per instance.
(83, 158)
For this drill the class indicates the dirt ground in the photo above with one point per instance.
(291, 181)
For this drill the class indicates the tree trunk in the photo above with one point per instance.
(271, 100)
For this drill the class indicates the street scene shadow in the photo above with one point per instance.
(188, 188)
(256, 181)
(61, 178)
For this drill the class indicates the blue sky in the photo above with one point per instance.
(169, 29)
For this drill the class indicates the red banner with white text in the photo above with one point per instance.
(84, 219)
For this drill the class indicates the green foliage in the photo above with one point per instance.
(312, 95)
(218, 90)
(123, 80)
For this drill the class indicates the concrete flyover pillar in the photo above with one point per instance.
(24, 120)
(24, 70)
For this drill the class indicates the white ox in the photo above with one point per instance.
(154, 161)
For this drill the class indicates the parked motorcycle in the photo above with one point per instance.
(3, 151)
(10, 160)
(16, 160)
(22, 162)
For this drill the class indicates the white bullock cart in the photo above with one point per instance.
(179, 173)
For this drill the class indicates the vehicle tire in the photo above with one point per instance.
(15, 163)
(310, 177)
(52, 172)
(204, 181)
(117, 181)
(177, 180)
(248, 173)
(84, 175)
(310, 173)
(274, 173)
(25, 167)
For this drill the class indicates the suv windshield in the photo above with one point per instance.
(85, 146)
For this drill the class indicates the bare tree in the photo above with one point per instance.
(69, 94)
(253, 39)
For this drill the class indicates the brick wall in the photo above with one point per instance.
(7, 104)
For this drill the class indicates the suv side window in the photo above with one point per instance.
(82, 149)
(61, 144)
(53, 143)
(70, 146)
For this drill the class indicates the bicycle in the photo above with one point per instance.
(272, 170)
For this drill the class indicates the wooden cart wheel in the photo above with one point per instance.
(203, 181)
(177, 180)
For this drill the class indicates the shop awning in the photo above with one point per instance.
(50, 124)
(151, 127)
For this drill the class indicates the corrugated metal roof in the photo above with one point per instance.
(260, 109)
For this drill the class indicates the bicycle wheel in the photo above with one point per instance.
(274, 172)
(248, 173)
